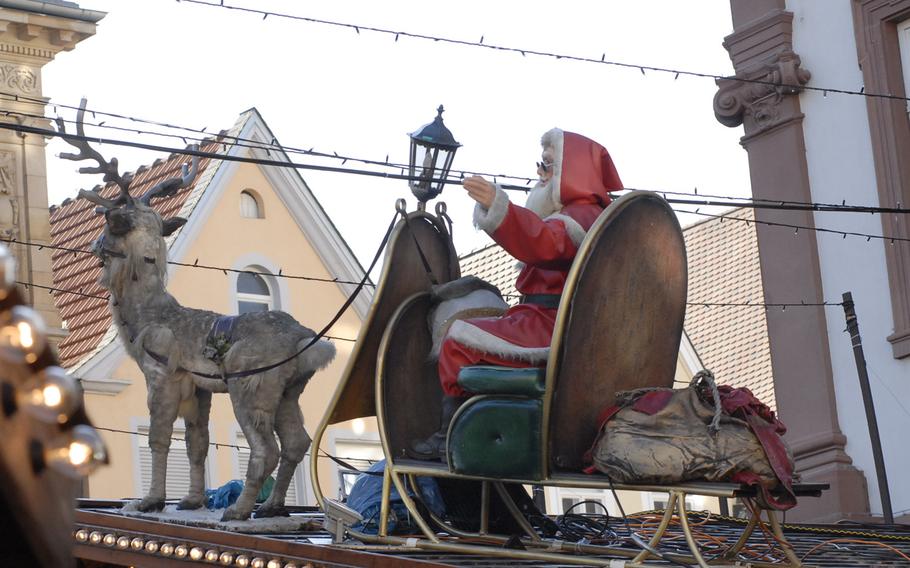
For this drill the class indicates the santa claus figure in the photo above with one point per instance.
(576, 176)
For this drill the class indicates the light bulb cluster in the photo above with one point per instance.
(48, 394)
(181, 550)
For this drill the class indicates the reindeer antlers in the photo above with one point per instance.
(170, 186)
(110, 169)
(86, 152)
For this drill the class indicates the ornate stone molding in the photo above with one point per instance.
(737, 101)
(20, 79)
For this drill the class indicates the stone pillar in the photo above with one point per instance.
(31, 34)
(761, 49)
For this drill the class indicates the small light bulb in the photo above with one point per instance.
(123, 542)
(226, 558)
(273, 564)
(152, 546)
(211, 556)
(22, 334)
(50, 396)
(110, 539)
(181, 551)
(196, 553)
(76, 452)
(257, 563)
(137, 543)
(95, 537)
(242, 561)
(167, 549)
(290, 565)
(81, 535)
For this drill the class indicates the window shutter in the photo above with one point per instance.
(178, 465)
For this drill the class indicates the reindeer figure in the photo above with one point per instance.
(173, 348)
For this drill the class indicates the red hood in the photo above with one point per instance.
(584, 171)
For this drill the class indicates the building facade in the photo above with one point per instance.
(818, 145)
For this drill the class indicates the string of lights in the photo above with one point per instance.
(798, 228)
(698, 303)
(191, 151)
(534, 52)
(52, 289)
(253, 144)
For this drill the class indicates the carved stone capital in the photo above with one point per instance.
(737, 101)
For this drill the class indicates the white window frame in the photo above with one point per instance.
(903, 40)
(256, 203)
(338, 436)
(269, 300)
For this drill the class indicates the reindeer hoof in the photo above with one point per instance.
(150, 504)
(264, 512)
(233, 514)
(190, 503)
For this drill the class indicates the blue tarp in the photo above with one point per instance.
(366, 499)
(224, 496)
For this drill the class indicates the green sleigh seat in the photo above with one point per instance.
(498, 432)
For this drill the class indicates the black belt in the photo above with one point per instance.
(543, 300)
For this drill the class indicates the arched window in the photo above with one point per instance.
(253, 293)
(249, 205)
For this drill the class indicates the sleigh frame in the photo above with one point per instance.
(618, 328)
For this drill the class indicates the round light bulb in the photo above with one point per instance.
(123, 542)
(152, 546)
(257, 563)
(110, 539)
(196, 553)
(50, 396)
(95, 537)
(7, 272)
(22, 334)
(211, 556)
(81, 535)
(290, 565)
(167, 549)
(273, 564)
(226, 558)
(137, 543)
(181, 551)
(76, 452)
(242, 561)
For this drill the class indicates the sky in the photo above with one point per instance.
(360, 94)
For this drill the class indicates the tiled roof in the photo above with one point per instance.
(74, 225)
(723, 268)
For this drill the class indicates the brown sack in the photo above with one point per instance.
(667, 436)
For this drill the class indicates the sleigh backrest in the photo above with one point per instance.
(619, 323)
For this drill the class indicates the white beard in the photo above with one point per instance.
(541, 199)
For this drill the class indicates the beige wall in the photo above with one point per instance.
(225, 239)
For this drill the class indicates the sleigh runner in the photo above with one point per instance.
(618, 328)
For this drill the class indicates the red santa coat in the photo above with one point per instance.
(545, 240)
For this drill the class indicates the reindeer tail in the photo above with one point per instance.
(317, 356)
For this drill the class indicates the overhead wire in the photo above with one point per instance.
(726, 201)
(539, 53)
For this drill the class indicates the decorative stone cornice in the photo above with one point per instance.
(737, 100)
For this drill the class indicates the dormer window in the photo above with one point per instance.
(250, 207)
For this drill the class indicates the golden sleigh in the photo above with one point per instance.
(618, 328)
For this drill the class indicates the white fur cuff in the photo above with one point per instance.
(490, 219)
(576, 232)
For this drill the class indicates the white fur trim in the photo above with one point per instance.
(490, 219)
(576, 233)
(553, 139)
(476, 338)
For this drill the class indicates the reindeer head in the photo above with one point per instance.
(132, 227)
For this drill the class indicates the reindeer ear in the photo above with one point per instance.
(171, 225)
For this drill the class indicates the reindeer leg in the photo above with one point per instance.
(294, 444)
(197, 447)
(256, 418)
(162, 403)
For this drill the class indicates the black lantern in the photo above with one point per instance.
(432, 151)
